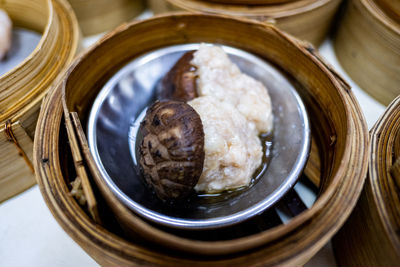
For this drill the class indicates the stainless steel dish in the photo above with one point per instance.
(119, 108)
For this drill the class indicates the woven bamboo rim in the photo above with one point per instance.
(370, 237)
(342, 137)
(391, 8)
(376, 66)
(97, 16)
(251, 2)
(306, 19)
(23, 88)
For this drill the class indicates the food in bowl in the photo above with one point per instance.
(234, 110)
(5, 33)
(114, 140)
(180, 82)
(172, 149)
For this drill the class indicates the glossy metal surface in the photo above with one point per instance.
(118, 110)
(24, 43)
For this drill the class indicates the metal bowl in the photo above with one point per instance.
(120, 106)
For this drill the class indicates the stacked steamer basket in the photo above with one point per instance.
(23, 87)
(367, 45)
(97, 16)
(306, 19)
(337, 161)
(371, 235)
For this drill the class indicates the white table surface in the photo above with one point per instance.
(30, 236)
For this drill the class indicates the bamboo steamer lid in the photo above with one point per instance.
(306, 19)
(370, 236)
(339, 131)
(97, 16)
(23, 87)
(367, 45)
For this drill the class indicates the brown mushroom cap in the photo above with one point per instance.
(172, 151)
(180, 82)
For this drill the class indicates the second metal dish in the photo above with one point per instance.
(115, 114)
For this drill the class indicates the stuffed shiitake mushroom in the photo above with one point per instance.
(172, 149)
(232, 108)
(180, 82)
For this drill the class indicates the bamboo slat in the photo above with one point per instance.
(23, 87)
(391, 8)
(97, 16)
(367, 45)
(158, 7)
(338, 128)
(313, 167)
(306, 19)
(251, 2)
(371, 235)
(74, 129)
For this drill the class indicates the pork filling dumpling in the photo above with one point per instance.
(235, 109)
(233, 151)
(219, 77)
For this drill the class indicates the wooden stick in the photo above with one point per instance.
(79, 165)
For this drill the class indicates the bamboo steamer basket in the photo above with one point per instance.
(371, 236)
(306, 19)
(339, 131)
(367, 45)
(97, 16)
(23, 87)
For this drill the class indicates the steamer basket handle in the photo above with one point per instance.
(16, 169)
(8, 131)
